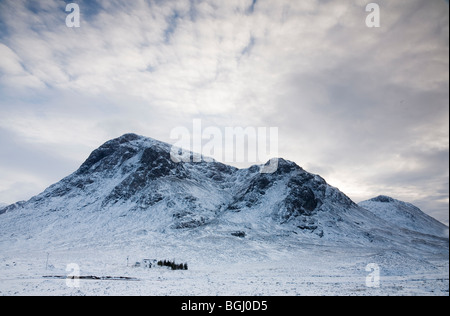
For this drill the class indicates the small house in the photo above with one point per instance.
(149, 263)
(137, 265)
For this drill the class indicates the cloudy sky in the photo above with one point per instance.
(366, 108)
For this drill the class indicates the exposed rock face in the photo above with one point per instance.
(134, 177)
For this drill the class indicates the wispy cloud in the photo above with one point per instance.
(366, 108)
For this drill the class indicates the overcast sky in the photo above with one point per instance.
(366, 108)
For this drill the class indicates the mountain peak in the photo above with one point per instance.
(129, 137)
(119, 150)
(404, 215)
(383, 199)
(134, 177)
(279, 165)
(138, 140)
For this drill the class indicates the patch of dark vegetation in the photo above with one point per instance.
(173, 265)
(239, 234)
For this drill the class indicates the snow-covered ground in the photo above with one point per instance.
(225, 267)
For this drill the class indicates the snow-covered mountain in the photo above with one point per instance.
(5, 207)
(2, 206)
(404, 215)
(130, 186)
(243, 232)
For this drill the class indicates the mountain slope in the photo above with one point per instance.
(134, 174)
(405, 215)
(130, 188)
(242, 232)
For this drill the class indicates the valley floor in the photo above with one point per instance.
(310, 271)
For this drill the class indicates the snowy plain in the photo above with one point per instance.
(241, 268)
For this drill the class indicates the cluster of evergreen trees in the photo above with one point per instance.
(173, 265)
